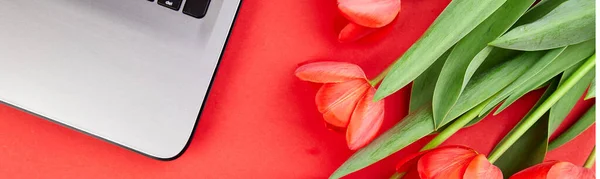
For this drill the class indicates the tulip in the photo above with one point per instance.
(353, 32)
(448, 162)
(370, 13)
(555, 170)
(366, 16)
(345, 100)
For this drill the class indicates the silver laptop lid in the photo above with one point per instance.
(132, 72)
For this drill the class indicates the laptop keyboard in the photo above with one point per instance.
(194, 8)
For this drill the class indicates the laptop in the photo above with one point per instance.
(135, 73)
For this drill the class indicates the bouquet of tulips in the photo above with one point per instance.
(477, 58)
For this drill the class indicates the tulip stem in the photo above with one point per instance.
(529, 120)
(380, 77)
(397, 175)
(589, 163)
(458, 124)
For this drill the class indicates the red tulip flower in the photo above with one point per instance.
(448, 162)
(366, 16)
(555, 170)
(345, 100)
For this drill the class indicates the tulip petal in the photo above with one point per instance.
(353, 32)
(538, 171)
(365, 121)
(329, 72)
(481, 168)
(449, 163)
(566, 170)
(412, 159)
(337, 101)
(370, 13)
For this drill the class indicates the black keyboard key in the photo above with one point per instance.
(196, 8)
(171, 4)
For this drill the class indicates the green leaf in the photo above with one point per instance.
(488, 83)
(419, 123)
(592, 90)
(561, 109)
(543, 85)
(535, 69)
(422, 88)
(569, 57)
(572, 22)
(531, 147)
(581, 125)
(456, 21)
(495, 57)
(455, 74)
(477, 61)
(538, 11)
(478, 119)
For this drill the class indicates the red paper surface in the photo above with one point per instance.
(260, 121)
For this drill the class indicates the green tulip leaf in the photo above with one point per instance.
(532, 146)
(592, 90)
(587, 120)
(570, 56)
(477, 119)
(493, 58)
(540, 65)
(487, 84)
(561, 109)
(572, 22)
(477, 61)
(466, 57)
(419, 123)
(538, 11)
(422, 88)
(455, 22)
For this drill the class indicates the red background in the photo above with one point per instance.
(260, 121)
